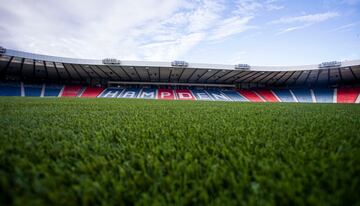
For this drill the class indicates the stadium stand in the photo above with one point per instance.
(52, 90)
(284, 95)
(71, 91)
(130, 93)
(234, 96)
(10, 89)
(184, 94)
(201, 94)
(217, 95)
(111, 92)
(302, 95)
(250, 95)
(347, 95)
(320, 95)
(92, 92)
(166, 94)
(267, 95)
(324, 95)
(327, 82)
(148, 93)
(32, 90)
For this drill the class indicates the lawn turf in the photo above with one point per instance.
(121, 151)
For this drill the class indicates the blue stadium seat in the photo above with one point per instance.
(217, 95)
(32, 90)
(235, 96)
(52, 90)
(148, 93)
(284, 95)
(201, 94)
(111, 93)
(10, 89)
(303, 95)
(130, 93)
(324, 95)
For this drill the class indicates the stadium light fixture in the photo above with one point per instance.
(181, 64)
(2, 50)
(242, 66)
(332, 64)
(111, 61)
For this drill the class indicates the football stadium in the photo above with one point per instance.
(78, 130)
(34, 75)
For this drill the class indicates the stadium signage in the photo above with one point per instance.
(242, 66)
(110, 61)
(168, 94)
(179, 64)
(330, 64)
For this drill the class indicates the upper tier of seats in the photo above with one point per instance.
(319, 95)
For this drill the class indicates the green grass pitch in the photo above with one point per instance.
(125, 152)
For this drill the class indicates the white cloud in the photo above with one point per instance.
(116, 28)
(293, 28)
(245, 11)
(308, 19)
(252, 7)
(346, 26)
(126, 29)
(167, 50)
(303, 21)
(81, 28)
(238, 57)
(174, 36)
(350, 56)
(230, 26)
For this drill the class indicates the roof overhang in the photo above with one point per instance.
(29, 65)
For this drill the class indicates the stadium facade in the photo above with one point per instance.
(28, 74)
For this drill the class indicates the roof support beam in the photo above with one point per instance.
(7, 65)
(207, 79)
(352, 72)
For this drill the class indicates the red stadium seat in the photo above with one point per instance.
(347, 95)
(166, 94)
(71, 91)
(92, 92)
(184, 94)
(250, 95)
(268, 95)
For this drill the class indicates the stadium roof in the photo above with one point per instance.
(35, 66)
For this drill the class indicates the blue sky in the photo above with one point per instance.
(256, 32)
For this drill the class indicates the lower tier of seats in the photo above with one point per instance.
(314, 95)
